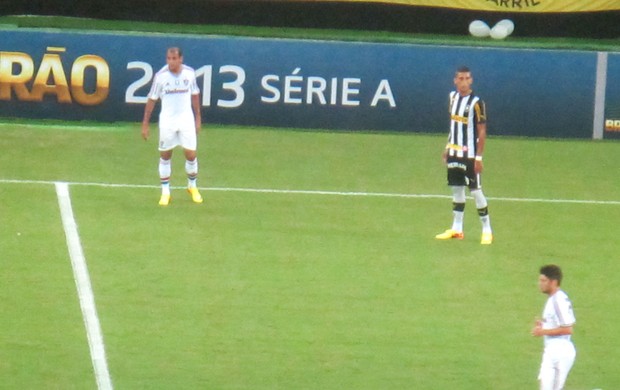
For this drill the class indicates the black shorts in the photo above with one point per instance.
(461, 173)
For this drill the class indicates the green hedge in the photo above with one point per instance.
(325, 15)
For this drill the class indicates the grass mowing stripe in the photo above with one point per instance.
(322, 192)
(84, 288)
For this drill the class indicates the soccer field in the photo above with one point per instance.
(312, 263)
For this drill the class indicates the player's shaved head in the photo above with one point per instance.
(463, 69)
(176, 50)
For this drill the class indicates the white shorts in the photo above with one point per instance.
(170, 138)
(557, 361)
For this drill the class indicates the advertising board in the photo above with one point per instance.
(298, 83)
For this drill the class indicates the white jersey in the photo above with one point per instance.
(558, 312)
(175, 92)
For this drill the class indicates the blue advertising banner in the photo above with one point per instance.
(297, 83)
(612, 101)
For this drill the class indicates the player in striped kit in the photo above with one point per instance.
(556, 327)
(463, 155)
(179, 120)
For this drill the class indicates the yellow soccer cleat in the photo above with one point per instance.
(487, 239)
(164, 200)
(449, 234)
(196, 197)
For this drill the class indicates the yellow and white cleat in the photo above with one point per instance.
(487, 239)
(164, 200)
(449, 234)
(196, 197)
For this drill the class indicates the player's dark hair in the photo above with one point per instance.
(552, 272)
(463, 69)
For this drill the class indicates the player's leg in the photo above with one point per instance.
(165, 171)
(191, 167)
(167, 142)
(548, 372)
(564, 365)
(483, 213)
(189, 142)
(456, 181)
(475, 187)
(546, 379)
(458, 208)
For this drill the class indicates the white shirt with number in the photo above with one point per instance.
(175, 92)
(558, 312)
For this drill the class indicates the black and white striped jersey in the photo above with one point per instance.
(465, 113)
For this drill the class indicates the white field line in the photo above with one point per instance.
(321, 192)
(84, 289)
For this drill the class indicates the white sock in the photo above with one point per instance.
(458, 198)
(483, 212)
(165, 169)
(486, 224)
(191, 168)
(457, 222)
(481, 200)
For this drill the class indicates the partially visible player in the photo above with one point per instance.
(556, 327)
(463, 155)
(179, 120)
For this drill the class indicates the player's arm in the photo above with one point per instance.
(148, 111)
(481, 130)
(560, 331)
(482, 138)
(444, 153)
(197, 114)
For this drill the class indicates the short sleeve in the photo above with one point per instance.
(564, 310)
(194, 85)
(481, 111)
(155, 91)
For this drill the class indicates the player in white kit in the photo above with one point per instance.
(179, 120)
(556, 326)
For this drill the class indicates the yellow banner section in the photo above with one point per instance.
(512, 5)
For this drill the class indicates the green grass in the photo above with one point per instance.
(260, 290)
(72, 23)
